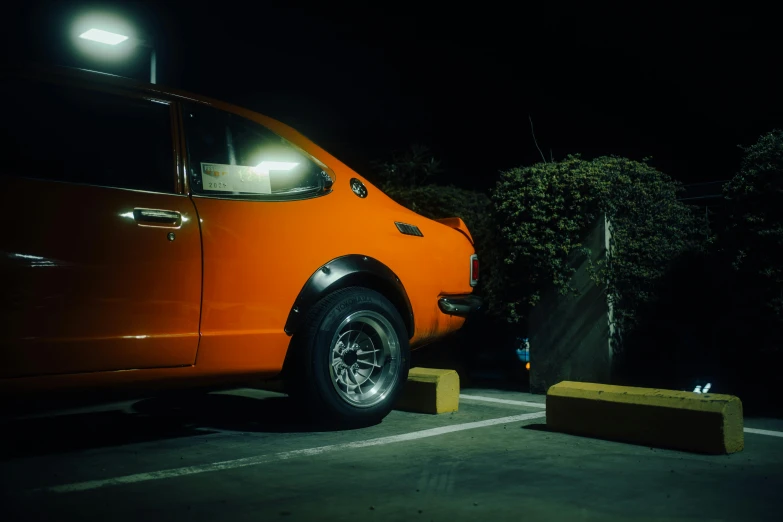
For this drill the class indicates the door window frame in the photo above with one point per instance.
(235, 197)
(86, 85)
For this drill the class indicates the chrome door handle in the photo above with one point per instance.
(152, 217)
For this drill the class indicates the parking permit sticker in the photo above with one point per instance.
(235, 178)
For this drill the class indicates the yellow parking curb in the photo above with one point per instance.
(430, 390)
(701, 423)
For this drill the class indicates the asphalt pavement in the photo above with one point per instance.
(248, 455)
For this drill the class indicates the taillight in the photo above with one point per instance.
(474, 270)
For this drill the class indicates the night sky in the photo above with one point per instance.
(682, 88)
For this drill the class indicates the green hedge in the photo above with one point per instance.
(544, 212)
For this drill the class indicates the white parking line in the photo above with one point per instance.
(285, 455)
(543, 406)
(764, 432)
(502, 401)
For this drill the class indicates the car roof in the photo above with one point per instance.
(121, 82)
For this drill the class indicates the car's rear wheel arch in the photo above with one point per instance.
(351, 271)
(384, 287)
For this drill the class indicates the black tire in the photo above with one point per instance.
(309, 376)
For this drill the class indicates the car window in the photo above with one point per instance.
(65, 133)
(232, 157)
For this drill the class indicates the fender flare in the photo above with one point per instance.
(345, 271)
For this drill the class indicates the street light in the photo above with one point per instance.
(101, 36)
(117, 36)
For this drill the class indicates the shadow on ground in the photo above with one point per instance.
(235, 413)
(153, 419)
(537, 427)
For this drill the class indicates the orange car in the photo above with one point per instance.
(153, 236)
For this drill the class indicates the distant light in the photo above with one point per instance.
(105, 37)
(707, 387)
(527, 366)
(697, 389)
(523, 353)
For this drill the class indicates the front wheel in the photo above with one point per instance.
(352, 358)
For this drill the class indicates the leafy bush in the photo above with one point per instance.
(754, 234)
(536, 218)
(412, 167)
(545, 211)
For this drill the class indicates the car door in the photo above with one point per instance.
(100, 256)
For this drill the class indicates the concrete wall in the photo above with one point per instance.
(570, 335)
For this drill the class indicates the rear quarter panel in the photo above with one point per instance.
(258, 256)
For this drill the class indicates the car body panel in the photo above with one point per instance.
(346, 271)
(117, 296)
(457, 224)
(230, 279)
(249, 287)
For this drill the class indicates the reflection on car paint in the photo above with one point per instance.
(129, 215)
(34, 261)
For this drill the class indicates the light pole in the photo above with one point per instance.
(113, 39)
(153, 65)
(153, 59)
